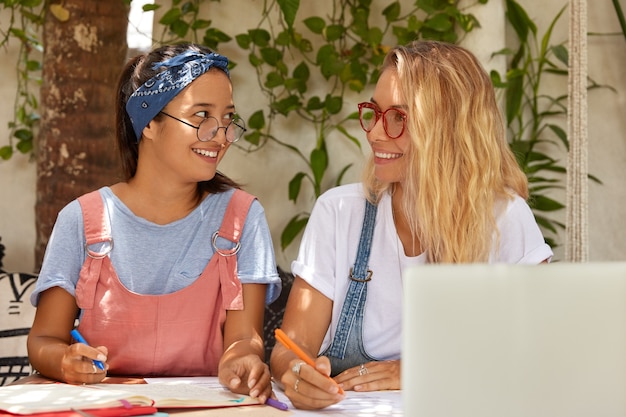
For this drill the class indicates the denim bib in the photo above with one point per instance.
(346, 349)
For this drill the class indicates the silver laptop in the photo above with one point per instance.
(514, 340)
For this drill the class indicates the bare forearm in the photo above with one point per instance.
(243, 347)
(279, 361)
(46, 355)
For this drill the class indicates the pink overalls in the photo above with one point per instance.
(172, 334)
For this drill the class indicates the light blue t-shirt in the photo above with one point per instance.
(159, 259)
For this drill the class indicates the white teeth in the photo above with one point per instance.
(204, 152)
(387, 155)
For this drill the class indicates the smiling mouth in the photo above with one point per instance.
(206, 152)
(384, 155)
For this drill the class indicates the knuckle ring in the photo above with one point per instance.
(296, 368)
(362, 370)
(295, 386)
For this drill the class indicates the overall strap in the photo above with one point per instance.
(226, 259)
(357, 291)
(97, 230)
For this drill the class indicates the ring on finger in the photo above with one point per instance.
(95, 370)
(362, 370)
(295, 386)
(296, 368)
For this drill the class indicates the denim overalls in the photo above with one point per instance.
(346, 349)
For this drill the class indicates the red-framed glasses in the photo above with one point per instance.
(394, 120)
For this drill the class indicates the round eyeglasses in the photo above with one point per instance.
(394, 120)
(208, 128)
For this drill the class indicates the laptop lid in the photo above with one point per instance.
(515, 340)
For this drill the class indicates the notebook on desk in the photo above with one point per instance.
(515, 341)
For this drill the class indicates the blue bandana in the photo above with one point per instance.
(149, 99)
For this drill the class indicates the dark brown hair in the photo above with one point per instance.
(137, 71)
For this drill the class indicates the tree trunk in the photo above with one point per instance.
(75, 147)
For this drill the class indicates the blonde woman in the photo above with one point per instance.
(441, 186)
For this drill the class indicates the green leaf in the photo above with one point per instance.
(259, 37)
(334, 32)
(32, 65)
(25, 146)
(273, 80)
(180, 28)
(514, 94)
(6, 152)
(30, 3)
(294, 186)
(289, 9)
(392, 12)
(171, 16)
(257, 120)
(23, 134)
(561, 54)
(200, 24)
(328, 61)
(341, 174)
(315, 24)
(349, 136)
(243, 40)
(292, 230)
(301, 71)
(562, 134)
(271, 56)
(543, 203)
(519, 19)
(319, 163)
(286, 105)
(333, 104)
(314, 103)
(150, 7)
(440, 22)
(254, 138)
(255, 61)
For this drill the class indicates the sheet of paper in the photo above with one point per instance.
(184, 392)
(370, 404)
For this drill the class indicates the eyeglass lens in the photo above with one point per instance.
(209, 127)
(393, 120)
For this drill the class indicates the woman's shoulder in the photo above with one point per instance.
(73, 209)
(344, 192)
(515, 204)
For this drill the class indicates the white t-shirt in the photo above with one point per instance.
(329, 246)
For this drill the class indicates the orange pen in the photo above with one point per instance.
(290, 344)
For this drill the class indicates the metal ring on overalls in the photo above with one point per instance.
(367, 278)
(99, 255)
(230, 252)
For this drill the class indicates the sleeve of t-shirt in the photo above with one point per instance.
(64, 254)
(316, 257)
(521, 240)
(256, 263)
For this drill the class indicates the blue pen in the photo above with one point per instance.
(79, 338)
(277, 404)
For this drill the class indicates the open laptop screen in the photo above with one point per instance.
(514, 340)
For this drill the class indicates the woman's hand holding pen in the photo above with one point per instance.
(372, 376)
(78, 367)
(310, 387)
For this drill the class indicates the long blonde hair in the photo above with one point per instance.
(461, 166)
